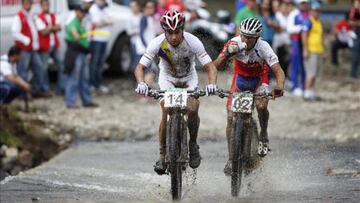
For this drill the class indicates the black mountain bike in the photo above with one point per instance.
(244, 133)
(177, 152)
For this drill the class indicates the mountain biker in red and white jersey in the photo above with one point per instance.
(252, 58)
(177, 51)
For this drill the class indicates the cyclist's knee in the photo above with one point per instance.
(261, 105)
(193, 106)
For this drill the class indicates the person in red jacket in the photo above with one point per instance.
(48, 26)
(175, 5)
(26, 37)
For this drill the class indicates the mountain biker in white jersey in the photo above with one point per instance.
(177, 51)
(252, 56)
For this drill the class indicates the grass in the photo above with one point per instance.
(9, 139)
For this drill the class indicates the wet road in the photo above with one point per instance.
(295, 171)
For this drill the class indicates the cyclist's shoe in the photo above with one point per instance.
(160, 167)
(195, 158)
(263, 148)
(228, 168)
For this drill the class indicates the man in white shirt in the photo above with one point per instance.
(100, 33)
(133, 30)
(11, 84)
(48, 26)
(26, 37)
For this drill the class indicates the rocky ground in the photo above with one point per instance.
(26, 142)
(124, 116)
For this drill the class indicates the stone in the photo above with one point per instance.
(11, 152)
(3, 175)
(25, 159)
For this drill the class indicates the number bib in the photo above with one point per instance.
(242, 102)
(175, 98)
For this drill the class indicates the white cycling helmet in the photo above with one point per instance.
(251, 27)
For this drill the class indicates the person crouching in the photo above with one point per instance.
(11, 84)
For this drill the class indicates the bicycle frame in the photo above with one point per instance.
(177, 151)
(240, 146)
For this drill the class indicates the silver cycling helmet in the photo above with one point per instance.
(251, 27)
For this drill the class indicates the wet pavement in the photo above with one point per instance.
(295, 171)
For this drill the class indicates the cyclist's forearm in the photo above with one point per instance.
(279, 75)
(220, 62)
(212, 73)
(139, 73)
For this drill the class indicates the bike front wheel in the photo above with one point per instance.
(174, 149)
(237, 160)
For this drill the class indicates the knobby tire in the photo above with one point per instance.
(175, 131)
(238, 131)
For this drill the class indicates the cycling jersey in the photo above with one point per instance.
(177, 64)
(251, 64)
(251, 69)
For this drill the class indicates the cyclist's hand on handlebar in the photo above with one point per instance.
(277, 93)
(142, 88)
(211, 89)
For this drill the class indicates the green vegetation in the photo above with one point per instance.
(9, 139)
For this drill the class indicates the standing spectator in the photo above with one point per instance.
(11, 84)
(133, 30)
(281, 42)
(26, 37)
(240, 4)
(75, 62)
(250, 11)
(147, 33)
(294, 27)
(344, 38)
(268, 21)
(160, 7)
(101, 25)
(86, 4)
(355, 22)
(48, 26)
(313, 50)
(175, 5)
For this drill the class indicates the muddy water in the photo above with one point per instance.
(295, 171)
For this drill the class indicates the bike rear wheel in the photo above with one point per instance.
(175, 130)
(237, 160)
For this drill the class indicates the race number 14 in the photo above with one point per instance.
(175, 99)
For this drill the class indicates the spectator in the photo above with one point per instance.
(175, 5)
(147, 33)
(75, 62)
(344, 39)
(355, 22)
(268, 20)
(240, 4)
(281, 42)
(294, 27)
(11, 84)
(86, 4)
(101, 25)
(26, 37)
(133, 30)
(48, 25)
(160, 7)
(250, 11)
(313, 50)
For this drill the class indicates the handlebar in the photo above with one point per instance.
(157, 94)
(225, 93)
